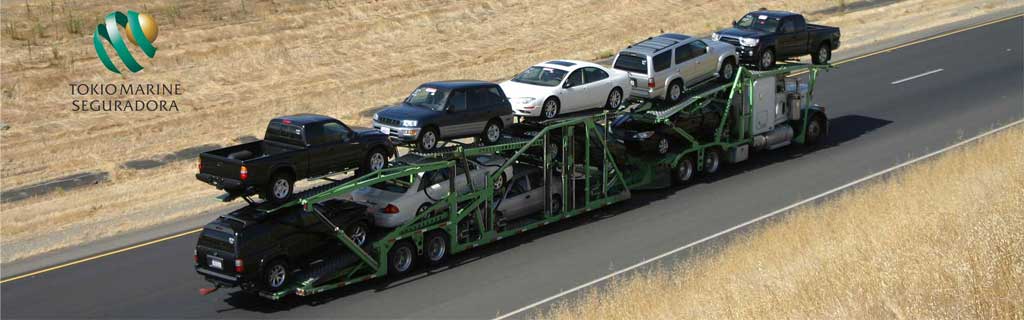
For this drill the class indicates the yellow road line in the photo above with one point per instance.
(68, 264)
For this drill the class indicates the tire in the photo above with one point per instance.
(767, 59)
(423, 208)
(276, 275)
(675, 88)
(815, 130)
(492, 131)
(401, 258)
(663, 146)
(823, 54)
(427, 140)
(358, 231)
(499, 184)
(551, 108)
(280, 187)
(375, 160)
(684, 171)
(614, 99)
(728, 70)
(712, 160)
(435, 247)
(556, 204)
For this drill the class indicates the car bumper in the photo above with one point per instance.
(647, 93)
(527, 110)
(221, 182)
(218, 278)
(396, 133)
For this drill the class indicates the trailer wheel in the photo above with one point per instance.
(684, 171)
(712, 160)
(401, 258)
(436, 247)
(280, 187)
(276, 274)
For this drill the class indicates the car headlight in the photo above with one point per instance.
(409, 123)
(524, 100)
(643, 135)
(715, 36)
(376, 117)
(748, 42)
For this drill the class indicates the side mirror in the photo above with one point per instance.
(567, 85)
(734, 23)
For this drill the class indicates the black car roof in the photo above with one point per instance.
(304, 118)
(458, 84)
(773, 13)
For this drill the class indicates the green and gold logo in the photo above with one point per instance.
(141, 30)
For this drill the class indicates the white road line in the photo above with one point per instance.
(917, 76)
(773, 213)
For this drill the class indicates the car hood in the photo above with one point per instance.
(523, 90)
(742, 32)
(407, 111)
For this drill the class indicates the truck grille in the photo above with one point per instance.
(389, 121)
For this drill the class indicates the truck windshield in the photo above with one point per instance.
(428, 97)
(285, 133)
(631, 63)
(541, 76)
(760, 23)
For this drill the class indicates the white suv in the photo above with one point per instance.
(663, 67)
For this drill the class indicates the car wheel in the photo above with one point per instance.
(556, 205)
(614, 99)
(401, 258)
(767, 60)
(428, 139)
(276, 274)
(663, 145)
(358, 232)
(728, 70)
(551, 108)
(499, 183)
(684, 171)
(492, 132)
(375, 160)
(675, 91)
(423, 208)
(823, 55)
(435, 247)
(280, 188)
(712, 160)
(815, 129)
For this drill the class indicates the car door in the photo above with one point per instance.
(573, 95)
(536, 180)
(327, 145)
(598, 86)
(479, 109)
(517, 199)
(789, 40)
(706, 61)
(454, 122)
(688, 67)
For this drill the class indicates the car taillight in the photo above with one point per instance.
(650, 83)
(391, 209)
(239, 266)
(243, 173)
(195, 256)
(199, 164)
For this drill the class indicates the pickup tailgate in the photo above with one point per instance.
(213, 164)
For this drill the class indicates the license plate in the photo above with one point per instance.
(215, 263)
(632, 82)
(385, 130)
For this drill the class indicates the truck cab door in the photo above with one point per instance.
(329, 149)
(790, 40)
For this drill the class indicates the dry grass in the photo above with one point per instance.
(243, 62)
(939, 239)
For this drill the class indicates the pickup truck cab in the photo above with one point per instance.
(764, 37)
(294, 147)
(447, 110)
(255, 250)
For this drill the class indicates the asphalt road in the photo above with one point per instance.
(875, 125)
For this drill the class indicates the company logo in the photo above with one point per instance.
(141, 30)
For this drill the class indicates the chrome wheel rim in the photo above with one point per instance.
(813, 130)
(727, 71)
(675, 92)
(493, 133)
(663, 146)
(281, 188)
(499, 182)
(767, 59)
(711, 162)
(403, 260)
(437, 249)
(377, 161)
(615, 99)
(428, 140)
(358, 235)
(550, 109)
(685, 170)
(277, 275)
(556, 205)
(822, 54)
(423, 208)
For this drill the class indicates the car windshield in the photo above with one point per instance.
(631, 63)
(428, 97)
(541, 76)
(760, 23)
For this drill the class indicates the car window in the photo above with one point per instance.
(662, 61)
(495, 96)
(286, 133)
(591, 74)
(787, 26)
(541, 76)
(457, 100)
(631, 63)
(329, 132)
(682, 54)
(697, 48)
(536, 180)
(575, 78)
(518, 187)
(484, 96)
(434, 177)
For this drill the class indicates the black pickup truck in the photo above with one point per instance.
(295, 147)
(763, 37)
(256, 250)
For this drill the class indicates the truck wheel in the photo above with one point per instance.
(823, 55)
(675, 91)
(280, 188)
(358, 231)
(684, 171)
(551, 108)
(492, 132)
(767, 60)
(435, 247)
(728, 70)
(276, 275)
(614, 99)
(815, 129)
(375, 160)
(401, 258)
(428, 139)
(712, 160)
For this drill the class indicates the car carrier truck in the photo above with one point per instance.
(575, 165)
